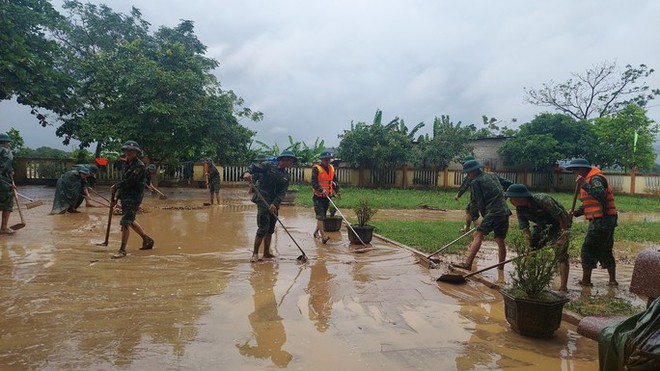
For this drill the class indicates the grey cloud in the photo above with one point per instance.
(312, 67)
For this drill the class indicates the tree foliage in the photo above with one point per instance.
(376, 145)
(600, 91)
(448, 142)
(27, 69)
(616, 139)
(549, 138)
(17, 141)
(110, 78)
(156, 88)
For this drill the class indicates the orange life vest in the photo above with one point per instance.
(592, 207)
(325, 180)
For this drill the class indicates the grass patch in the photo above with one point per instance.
(427, 236)
(413, 198)
(603, 305)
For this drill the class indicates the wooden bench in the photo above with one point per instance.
(645, 282)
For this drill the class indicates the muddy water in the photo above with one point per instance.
(195, 302)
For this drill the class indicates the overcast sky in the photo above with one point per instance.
(314, 66)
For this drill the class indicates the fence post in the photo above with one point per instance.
(445, 181)
(633, 175)
(404, 178)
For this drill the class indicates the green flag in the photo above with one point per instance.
(635, 136)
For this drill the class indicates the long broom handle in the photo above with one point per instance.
(278, 219)
(346, 221)
(451, 243)
(18, 204)
(512, 259)
(111, 208)
(98, 194)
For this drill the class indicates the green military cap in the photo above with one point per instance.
(577, 164)
(468, 158)
(325, 155)
(471, 165)
(130, 145)
(5, 138)
(517, 190)
(287, 154)
(260, 158)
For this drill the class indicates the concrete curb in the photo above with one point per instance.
(567, 315)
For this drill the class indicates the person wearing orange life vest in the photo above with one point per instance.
(599, 208)
(324, 186)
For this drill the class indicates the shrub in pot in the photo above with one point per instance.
(332, 223)
(364, 212)
(531, 309)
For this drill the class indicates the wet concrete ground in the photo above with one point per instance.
(195, 302)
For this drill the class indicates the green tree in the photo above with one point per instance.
(44, 152)
(600, 91)
(28, 54)
(616, 139)
(375, 145)
(449, 141)
(548, 138)
(156, 88)
(306, 154)
(17, 142)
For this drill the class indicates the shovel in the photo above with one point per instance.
(347, 223)
(302, 258)
(428, 263)
(31, 203)
(107, 230)
(20, 225)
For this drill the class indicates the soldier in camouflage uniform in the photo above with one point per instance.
(599, 208)
(471, 212)
(488, 195)
(213, 181)
(273, 184)
(551, 224)
(151, 170)
(130, 191)
(7, 187)
(70, 190)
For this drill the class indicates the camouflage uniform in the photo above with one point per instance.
(488, 198)
(214, 179)
(546, 213)
(6, 170)
(273, 184)
(131, 190)
(598, 244)
(471, 207)
(68, 192)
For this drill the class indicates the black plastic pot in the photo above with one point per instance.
(290, 197)
(332, 223)
(531, 317)
(366, 233)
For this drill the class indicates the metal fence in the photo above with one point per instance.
(383, 177)
(652, 184)
(425, 177)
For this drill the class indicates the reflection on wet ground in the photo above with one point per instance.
(195, 302)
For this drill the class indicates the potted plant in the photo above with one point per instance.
(530, 308)
(332, 223)
(364, 212)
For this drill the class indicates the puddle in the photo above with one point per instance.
(195, 302)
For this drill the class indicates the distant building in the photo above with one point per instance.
(485, 150)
